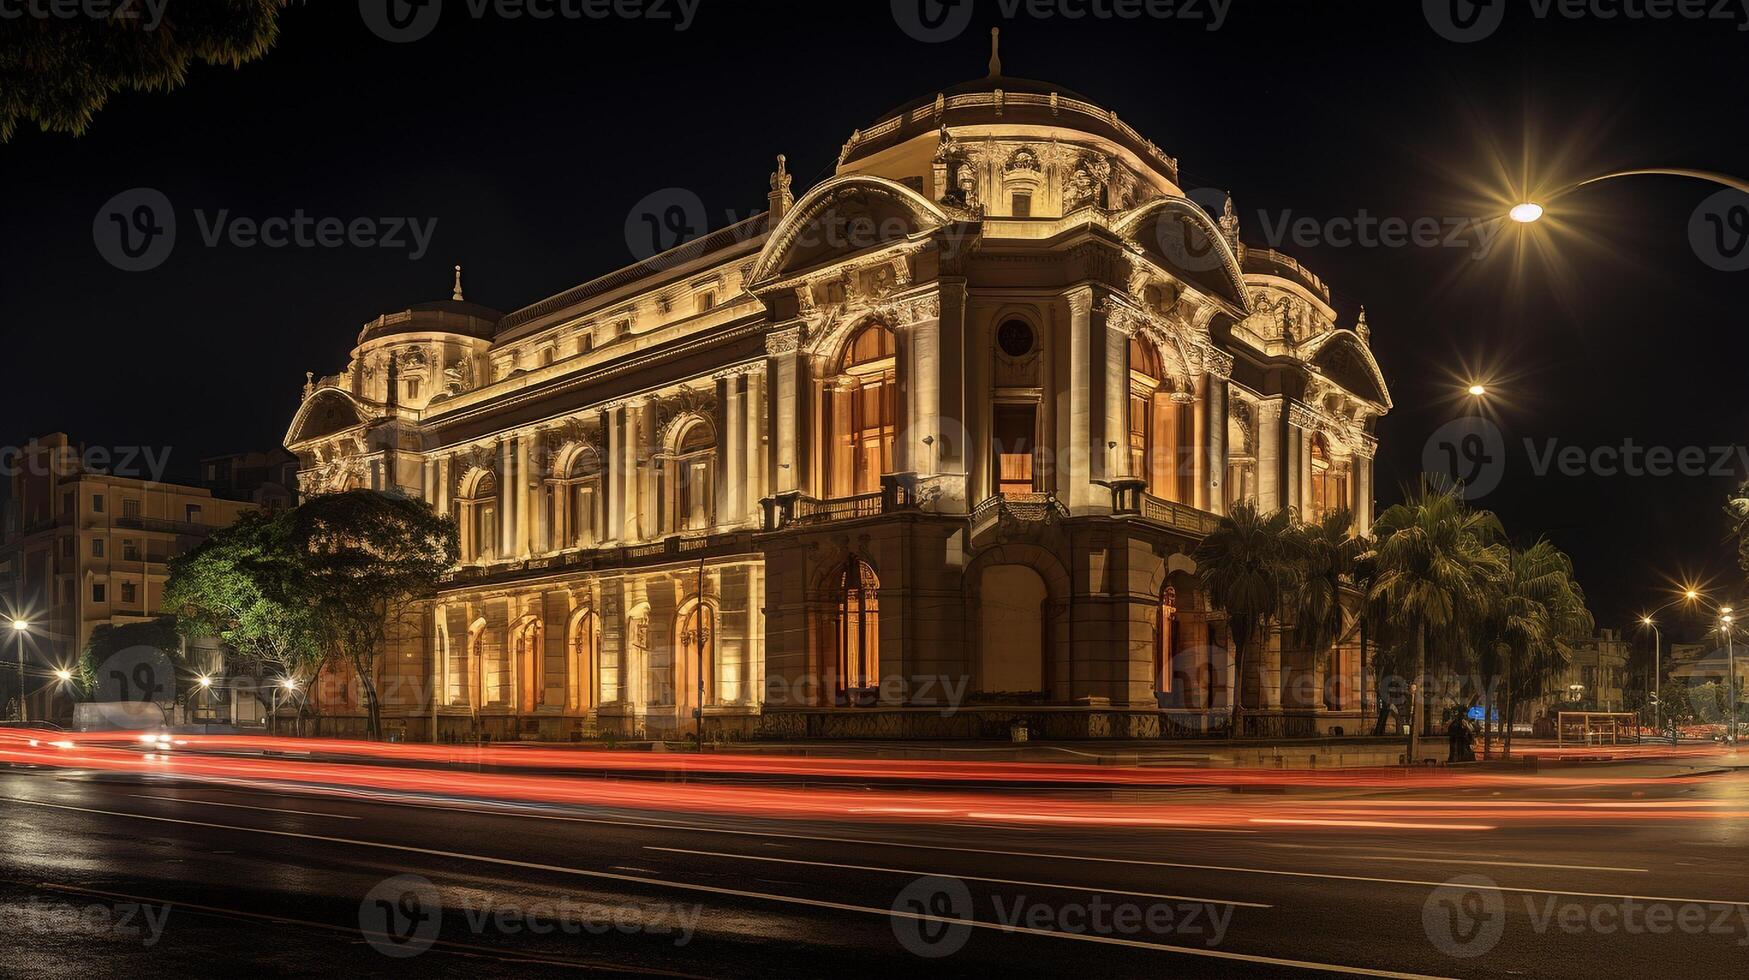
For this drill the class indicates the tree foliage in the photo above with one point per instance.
(219, 589)
(353, 562)
(1247, 565)
(58, 71)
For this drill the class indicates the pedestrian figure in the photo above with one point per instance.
(1462, 746)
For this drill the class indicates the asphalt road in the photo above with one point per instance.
(111, 875)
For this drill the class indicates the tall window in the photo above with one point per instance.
(478, 516)
(580, 494)
(1014, 448)
(690, 474)
(860, 417)
(1241, 455)
(1165, 637)
(1160, 437)
(1329, 487)
(859, 631)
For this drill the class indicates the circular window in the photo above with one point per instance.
(1015, 338)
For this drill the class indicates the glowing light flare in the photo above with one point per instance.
(1526, 213)
(20, 625)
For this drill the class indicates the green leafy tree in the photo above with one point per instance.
(57, 72)
(1247, 566)
(1326, 554)
(1541, 614)
(108, 639)
(1436, 558)
(219, 589)
(355, 562)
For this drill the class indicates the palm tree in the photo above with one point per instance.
(1542, 611)
(1436, 557)
(1246, 566)
(1326, 551)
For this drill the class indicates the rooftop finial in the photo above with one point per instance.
(995, 52)
(456, 293)
(780, 196)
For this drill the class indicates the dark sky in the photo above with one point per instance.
(529, 141)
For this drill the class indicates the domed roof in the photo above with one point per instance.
(1004, 100)
(989, 83)
(454, 316)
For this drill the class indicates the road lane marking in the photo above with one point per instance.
(816, 903)
(948, 874)
(1498, 864)
(1369, 824)
(244, 806)
(225, 913)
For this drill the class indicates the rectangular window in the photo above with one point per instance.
(1023, 205)
(68, 503)
(67, 547)
(130, 550)
(192, 513)
(97, 503)
(128, 591)
(97, 592)
(130, 508)
(97, 547)
(1013, 449)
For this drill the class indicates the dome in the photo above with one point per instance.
(1001, 99)
(452, 316)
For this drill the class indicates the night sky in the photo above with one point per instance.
(529, 142)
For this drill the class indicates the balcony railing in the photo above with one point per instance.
(1024, 508)
(161, 526)
(1179, 517)
(795, 509)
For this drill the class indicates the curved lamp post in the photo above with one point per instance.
(1530, 211)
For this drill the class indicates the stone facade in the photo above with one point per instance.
(932, 443)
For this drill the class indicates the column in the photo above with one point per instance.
(428, 482)
(1270, 468)
(443, 478)
(527, 501)
(1201, 428)
(648, 507)
(612, 482)
(506, 497)
(952, 409)
(726, 419)
(1216, 446)
(732, 450)
(783, 401)
(754, 471)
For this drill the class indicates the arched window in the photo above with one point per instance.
(584, 673)
(695, 667)
(577, 500)
(1165, 640)
(1160, 439)
(1329, 487)
(859, 633)
(477, 514)
(860, 416)
(689, 499)
(1241, 454)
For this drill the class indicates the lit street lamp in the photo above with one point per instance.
(1529, 212)
(19, 627)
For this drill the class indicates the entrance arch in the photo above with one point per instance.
(1011, 625)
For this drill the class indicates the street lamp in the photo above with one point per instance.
(1529, 212)
(1657, 674)
(19, 628)
(1478, 390)
(1730, 674)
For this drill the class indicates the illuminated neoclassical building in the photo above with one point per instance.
(921, 452)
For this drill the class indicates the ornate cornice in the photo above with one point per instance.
(783, 340)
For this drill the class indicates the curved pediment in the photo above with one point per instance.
(326, 412)
(1343, 357)
(842, 217)
(1180, 237)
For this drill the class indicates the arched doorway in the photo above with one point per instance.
(850, 634)
(694, 668)
(1011, 637)
(528, 669)
(584, 664)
